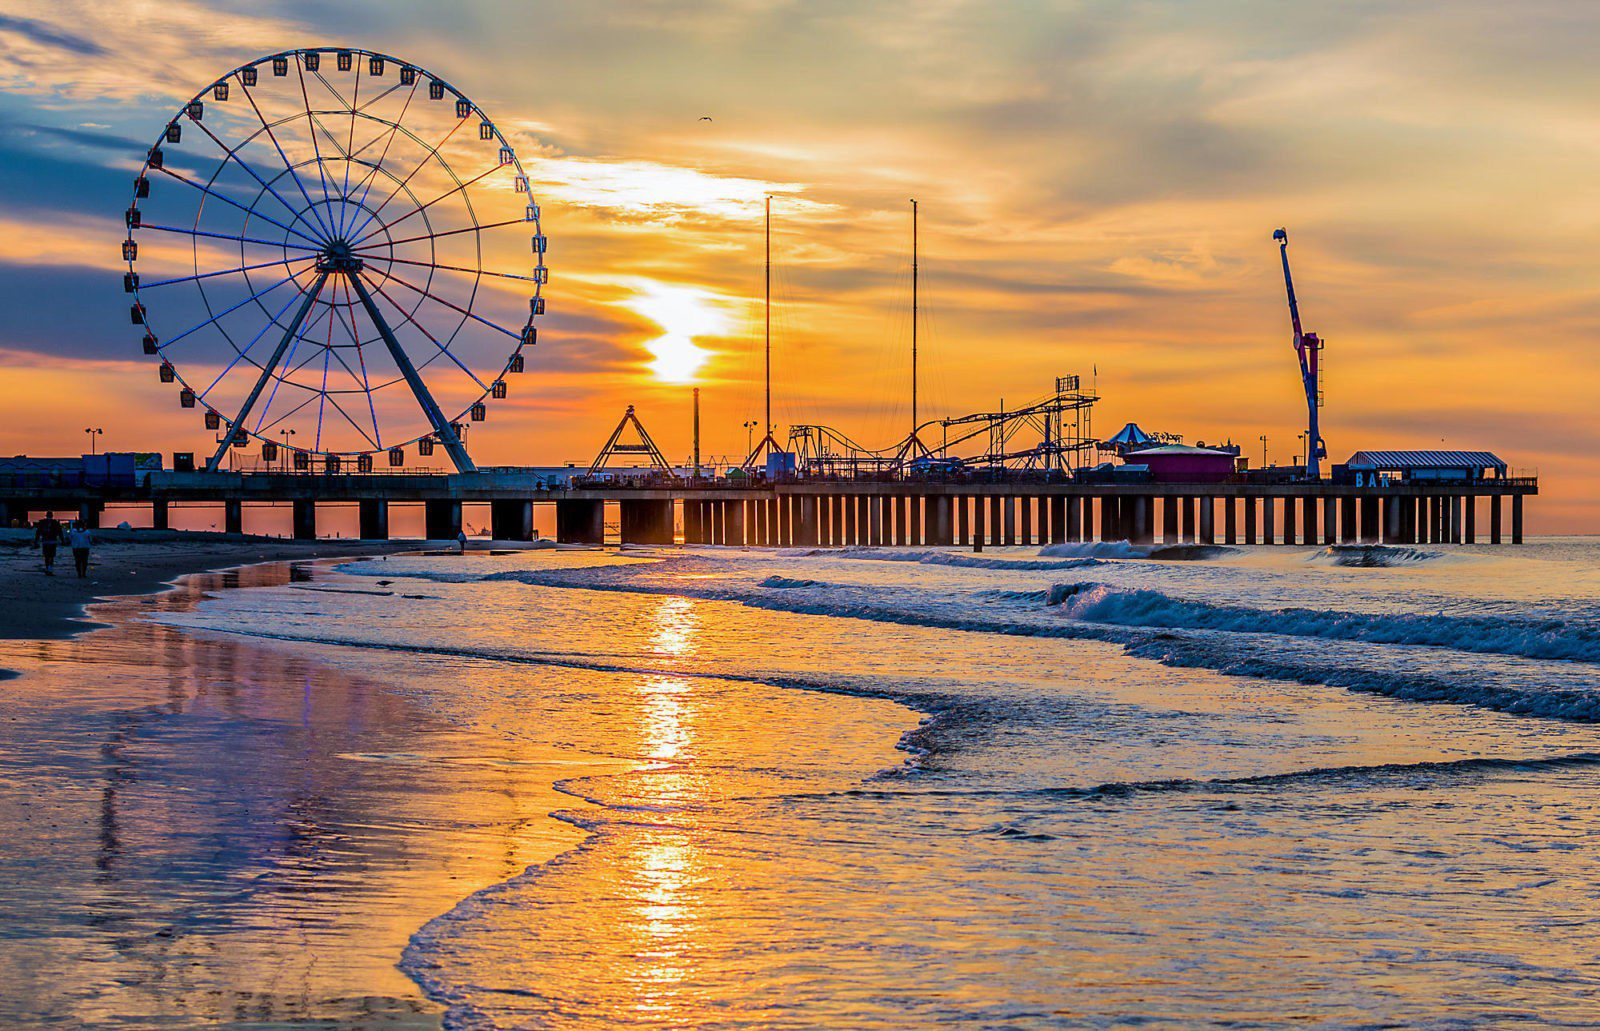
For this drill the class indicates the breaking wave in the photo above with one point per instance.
(1379, 556)
(1534, 639)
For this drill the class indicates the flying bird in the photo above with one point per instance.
(706, 118)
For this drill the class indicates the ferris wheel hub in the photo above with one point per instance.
(338, 257)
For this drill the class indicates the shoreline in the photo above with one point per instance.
(37, 607)
(384, 779)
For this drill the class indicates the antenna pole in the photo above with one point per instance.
(913, 319)
(768, 426)
(697, 433)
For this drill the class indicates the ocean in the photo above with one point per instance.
(1078, 785)
(1073, 786)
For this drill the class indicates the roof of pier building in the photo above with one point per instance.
(1477, 462)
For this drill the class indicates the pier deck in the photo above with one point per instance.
(844, 512)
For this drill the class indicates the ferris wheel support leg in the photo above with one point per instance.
(266, 373)
(441, 426)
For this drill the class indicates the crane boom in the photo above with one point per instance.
(1308, 347)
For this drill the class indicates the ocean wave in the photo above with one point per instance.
(959, 560)
(790, 583)
(1096, 549)
(1534, 639)
(1379, 556)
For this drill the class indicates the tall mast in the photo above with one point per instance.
(766, 427)
(913, 319)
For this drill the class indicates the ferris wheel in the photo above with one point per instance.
(336, 253)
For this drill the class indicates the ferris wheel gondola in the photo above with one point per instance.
(330, 249)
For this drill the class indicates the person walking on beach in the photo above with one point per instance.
(79, 539)
(47, 534)
(461, 539)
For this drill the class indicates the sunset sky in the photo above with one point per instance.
(1098, 184)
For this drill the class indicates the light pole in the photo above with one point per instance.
(750, 437)
(285, 434)
(1263, 451)
(94, 435)
(1302, 460)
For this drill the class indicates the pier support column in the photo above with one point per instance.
(374, 519)
(1010, 517)
(1393, 533)
(89, 514)
(978, 527)
(160, 514)
(1025, 535)
(1208, 520)
(233, 516)
(1494, 519)
(1470, 504)
(646, 521)
(1169, 519)
(577, 522)
(1330, 520)
(305, 520)
(692, 522)
(1516, 519)
(1075, 520)
(509, 520)
(996, 528)
(1347, 520)
(1249, 520)
(1143, 530)
(1308, 517)
(875, 520)
(1230, 521)
(1369, 520)
(441, 520)
(963, 517)
(1455, 519)
(1269, 529)
(1108, 518)
(1288, 520)
(1188, 531)
(809, 534)
(738, 525)
(939, 521)
(1058, 519)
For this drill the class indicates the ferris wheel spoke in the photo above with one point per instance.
(431, 338)
(461, 268)
(247, 210)
(435, 236)
(288, 167)
(266, 370)
(365, 382)
(394, 130)
(350, 142)
(228, 271)
(286, 416)
(453, 306)
(278, 381)
(419, 210)
(311, 131)
(233, 155)
(441, 427)
(248, 300)
(228, 236)
(433, 152)
(246, 348)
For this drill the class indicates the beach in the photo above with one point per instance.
(878, 788)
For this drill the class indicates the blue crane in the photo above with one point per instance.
(1309, 347)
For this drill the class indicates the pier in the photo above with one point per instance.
(840, 513)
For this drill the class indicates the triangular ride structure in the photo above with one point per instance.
(644, 446)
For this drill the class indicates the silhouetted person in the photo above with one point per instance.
(461, 539)
(80, 540)
(47, 534)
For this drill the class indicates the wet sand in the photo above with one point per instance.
(204, 831)
(124, 562)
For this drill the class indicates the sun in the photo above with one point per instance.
(683, 314)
